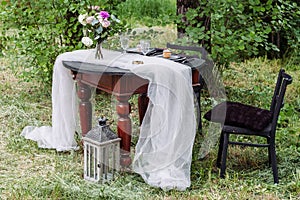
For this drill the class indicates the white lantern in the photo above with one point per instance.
(101, 154)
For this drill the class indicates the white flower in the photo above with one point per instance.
(87, 41)
(100, 19)
(81, 19)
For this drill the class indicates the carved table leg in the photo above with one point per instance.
(143, 101)
(85, 107)
(124, 128)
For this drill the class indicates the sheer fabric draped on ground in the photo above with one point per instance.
(164, 150)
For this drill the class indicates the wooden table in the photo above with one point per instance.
(122, 84)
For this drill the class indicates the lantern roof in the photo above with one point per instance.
(101, 134)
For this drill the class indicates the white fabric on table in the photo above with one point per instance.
(164, 149)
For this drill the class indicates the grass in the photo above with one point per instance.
(27, 172)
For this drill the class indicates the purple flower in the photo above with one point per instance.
(104, 14)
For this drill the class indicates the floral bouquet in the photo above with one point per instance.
(98, 25)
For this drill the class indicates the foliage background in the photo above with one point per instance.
(241, 30)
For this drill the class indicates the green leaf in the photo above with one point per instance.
(241, 47)
(223, 28)
(268, 30)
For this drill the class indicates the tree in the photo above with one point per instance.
(239, 30)
(182, 7)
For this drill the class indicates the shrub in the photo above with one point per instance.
(244, 29)
(42, 30)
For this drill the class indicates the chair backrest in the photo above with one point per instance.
(200, 50)
(283, 80)
(205, 72)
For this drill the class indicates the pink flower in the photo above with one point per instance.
(90, 19)
(95, 7)
(104, 14)
(105, 23)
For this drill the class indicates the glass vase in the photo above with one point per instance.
(99, 54)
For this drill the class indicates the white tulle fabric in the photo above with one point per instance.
(163, 153)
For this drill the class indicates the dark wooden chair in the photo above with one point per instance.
(194, 52)
(240, 119)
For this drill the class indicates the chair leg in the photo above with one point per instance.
(199, 125)
(269, 152)
(220, 150)
(224, 155)
(274, 162)
(200, 119)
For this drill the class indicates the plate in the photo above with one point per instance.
(174, 58)
(135, 50)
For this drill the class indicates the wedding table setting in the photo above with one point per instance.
(163, 153)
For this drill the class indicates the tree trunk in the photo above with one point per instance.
(182, 8)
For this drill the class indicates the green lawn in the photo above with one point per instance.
(27, 172)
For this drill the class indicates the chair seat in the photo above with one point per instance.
(240, 115)
(245, 131)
